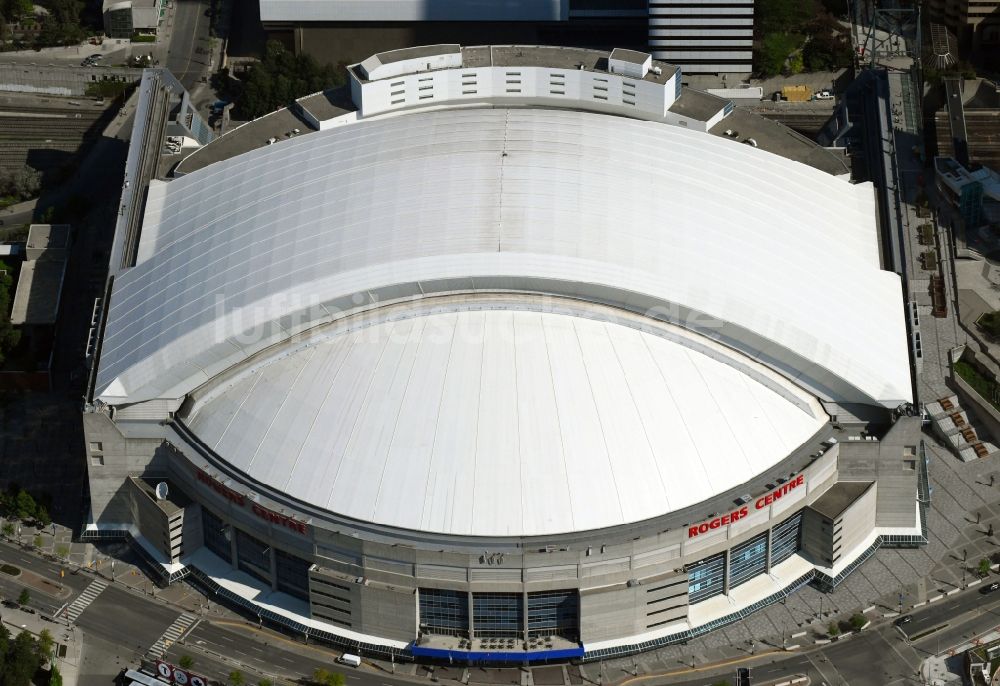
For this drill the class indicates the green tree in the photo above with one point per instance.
(55, 677)
(9, 336)
(62, 551)
(38, 541)
(25, 597)
(62, 24)
(778, 16)
(265, 682)
(857, 621)
(12, 10)
(236, 678)
(320, 676)
(21, 183)
(773, 51)
(22, 661)
(826, 51)
(24, 506)
(45, 645)
(8, 530)
(42, 517)
(4, 647)
(336, 679)
(281, 77)
(186, 661)
(984, 567)
(833, 629)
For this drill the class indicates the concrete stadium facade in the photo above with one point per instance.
(457, 376)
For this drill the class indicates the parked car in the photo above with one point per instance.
(905, 619)
(989, 588)
(824, 95)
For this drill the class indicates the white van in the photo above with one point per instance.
(349, 659)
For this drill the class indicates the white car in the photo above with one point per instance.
(824, 95)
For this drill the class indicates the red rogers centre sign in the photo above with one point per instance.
(239, 499)
(736, 515)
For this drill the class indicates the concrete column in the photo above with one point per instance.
(232, 547)
(273, 560)
(770, 540)
(725, 588)
(524, 616)
(472, 626)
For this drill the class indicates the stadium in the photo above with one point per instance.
(515, 354)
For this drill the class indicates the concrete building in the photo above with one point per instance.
(125, 18)
(515, 354)
(703, 36)
(975, 22)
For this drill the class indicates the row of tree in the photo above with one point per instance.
(59, 23)
(17, 503)
(22, 658)
(278, 79)
(20, 184)
(795, 36)
(10, 336)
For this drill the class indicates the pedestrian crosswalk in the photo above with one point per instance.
(74, 609)
(180, 626)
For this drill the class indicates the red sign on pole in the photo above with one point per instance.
(178, 676)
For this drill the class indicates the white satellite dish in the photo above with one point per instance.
(161, 490)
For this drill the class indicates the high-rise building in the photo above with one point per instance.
(976, 22)
(712, 36)
(704, 36)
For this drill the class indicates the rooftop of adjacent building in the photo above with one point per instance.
(173, 500)
(841, 496)
(520, 56)
(48, 237)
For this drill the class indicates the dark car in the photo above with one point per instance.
(10, 604)
(905, 619)
(989, 588)
(27, 609)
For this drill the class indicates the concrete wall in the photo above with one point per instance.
(112, 458)
(855, 524)
(539, 86)
(68, 81)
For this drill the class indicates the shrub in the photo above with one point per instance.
(984, 567)
(24, 598)
(857, 621)
(833, 629)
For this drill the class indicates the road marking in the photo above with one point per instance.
(88, 596)
(184, 623)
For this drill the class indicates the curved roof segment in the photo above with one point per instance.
(517, 419)
(771, 257)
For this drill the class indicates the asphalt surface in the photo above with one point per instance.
(189, 35)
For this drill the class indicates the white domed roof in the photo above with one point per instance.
(771, 257)
(489, 418)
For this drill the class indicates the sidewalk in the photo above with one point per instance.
(68, 641)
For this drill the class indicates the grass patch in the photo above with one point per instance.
(987, 388)
(143, 38)
(926, 632)
(10, 570)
